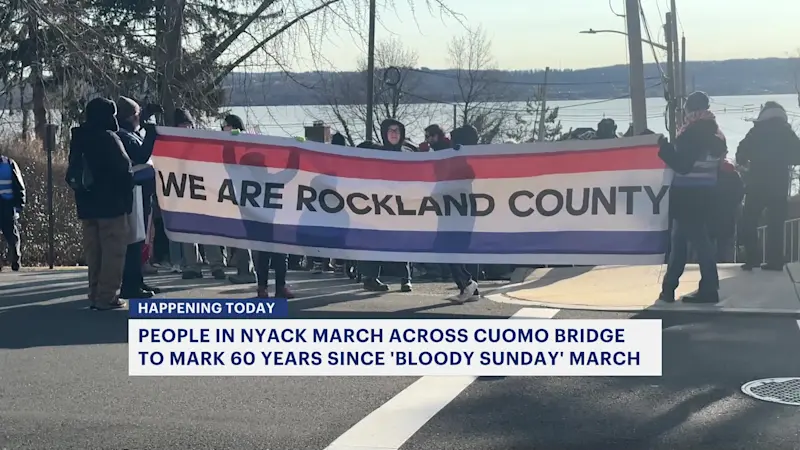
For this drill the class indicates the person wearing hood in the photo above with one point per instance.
(139, 150)
(695, 157)
(606, 129)
(393, 135)
(767, 152)
(435, 139)
(101, 176)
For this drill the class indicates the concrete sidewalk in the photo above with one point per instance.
(636, 288)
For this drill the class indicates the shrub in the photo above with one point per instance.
(32, 161)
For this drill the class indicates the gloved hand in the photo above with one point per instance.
(149, 128)
(457, 147)
(664, 146)
(300, 138)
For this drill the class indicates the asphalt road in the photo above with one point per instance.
(64, 384)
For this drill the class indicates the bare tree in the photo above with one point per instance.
(395, 83)
(479, 90)
(524, 126)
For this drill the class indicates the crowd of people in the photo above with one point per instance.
(110, 165)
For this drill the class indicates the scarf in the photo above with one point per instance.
(697, 116)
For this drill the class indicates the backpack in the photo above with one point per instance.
(79, 176)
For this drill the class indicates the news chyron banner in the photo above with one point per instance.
(224, 337)
(600, 202)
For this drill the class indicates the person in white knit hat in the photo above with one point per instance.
(767, 152)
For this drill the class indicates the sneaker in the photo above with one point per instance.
(147, 287)
(175, 269)
(747, 267)
(667, 296)
(284, 292)
(375, 286)
(262, 292)
(106, 306)
(136, 293)
(767, 266)
(191, 275)
(701, 297)
(246, 278)
(316, 269)
(219, 274)
(15, 266)
(468, 293)
(405, 287)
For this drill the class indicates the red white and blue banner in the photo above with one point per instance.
(573, 202)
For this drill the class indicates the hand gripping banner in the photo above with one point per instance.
(572, 202)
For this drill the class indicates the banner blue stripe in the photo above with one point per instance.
(551, 242)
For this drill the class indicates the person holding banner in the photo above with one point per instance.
(139, 150)
(393, 134)
(695, 157)
(100, 174)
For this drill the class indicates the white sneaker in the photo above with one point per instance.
(176, 269)
(468, 293)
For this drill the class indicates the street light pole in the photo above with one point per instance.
(638, 93)
(648, 42)
(370, 71)
(671, 87)
(676, 56)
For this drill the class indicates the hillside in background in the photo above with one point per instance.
(718, 78)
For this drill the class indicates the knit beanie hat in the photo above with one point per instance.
(697, 101)
(127, 108)
(772, 110)
(234, 121)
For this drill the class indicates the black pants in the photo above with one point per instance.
(132, 277)
(754, 204)
(371, 270)
(278, 261)
(461, 275)
(694, 232)
(10, 228)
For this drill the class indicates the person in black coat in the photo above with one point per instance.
(393, 135)
(767, 152)
(101, 176)
(695, 158)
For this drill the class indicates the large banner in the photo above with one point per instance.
(573, 202)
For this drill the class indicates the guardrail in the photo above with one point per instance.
(791, 240)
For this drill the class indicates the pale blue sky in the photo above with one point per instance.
(532, 34)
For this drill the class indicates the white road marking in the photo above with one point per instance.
(393, 423)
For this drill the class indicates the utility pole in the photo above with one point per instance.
(683, 67)
(370, 71)
(676, 56)
(637, 89)
(671, 103)
(543, 106)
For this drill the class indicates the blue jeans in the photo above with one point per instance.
(692, 231)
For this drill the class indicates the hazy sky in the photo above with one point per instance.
(532, 34)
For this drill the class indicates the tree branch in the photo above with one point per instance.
(230, 67)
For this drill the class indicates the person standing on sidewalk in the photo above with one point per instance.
(192, 267)
(12, 200)
(101, 176)
(695, 157)
(768, 151)
(139, 152)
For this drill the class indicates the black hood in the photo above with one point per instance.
(384, 131)
(102, 113)
(465, 135)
